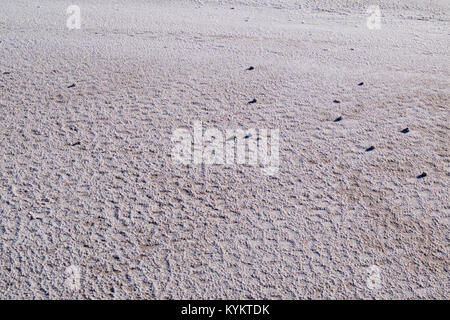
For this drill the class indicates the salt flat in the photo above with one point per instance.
(88, 186)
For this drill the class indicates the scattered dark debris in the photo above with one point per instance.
(338, 119)
(34, 216)
(406, 130)
(252, 101)
(250, 68)
(370, 148)
(336, 101)
(422, 175)
(76, 144)
(7, 72)
(71, 86)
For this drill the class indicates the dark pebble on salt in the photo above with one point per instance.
(406, 130)
(338, 119)
(6, 72)
(247, 136)
(252, 101)
(71, 86)
(370, 148)
(360, 84)
(76, 144)
(336, 101)
(250, 68)
(423, 175)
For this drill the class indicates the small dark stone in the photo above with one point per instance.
(338, 119)
(422, 175)
(232, 8)
(6, 72)
(250, 68)
(351, 49)
(336, 101)
(252, 101)
(76, 144)
(360, 84)
(406, 130)
(247, 136)
(370, 148)
(71, 86)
